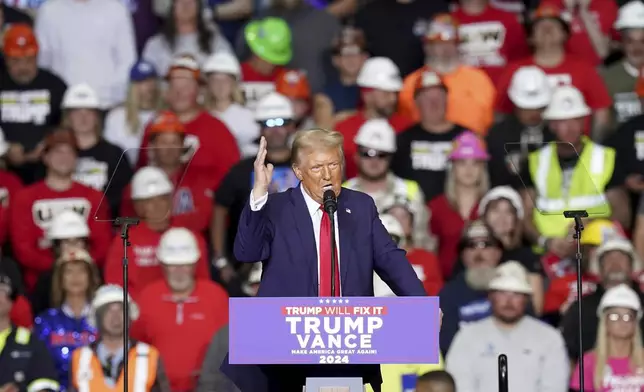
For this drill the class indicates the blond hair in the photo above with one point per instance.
(316, 138)
(450, 184)
(236, 96)
(601, 353)
(133, 108)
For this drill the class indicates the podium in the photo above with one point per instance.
(334, 331)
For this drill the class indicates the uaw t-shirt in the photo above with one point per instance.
(619, 375)
(28, 111)
(256, 85)
(422, 157)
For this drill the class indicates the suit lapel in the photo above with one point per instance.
(306, 235)
(345, 231)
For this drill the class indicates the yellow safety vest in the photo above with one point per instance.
(590, 176)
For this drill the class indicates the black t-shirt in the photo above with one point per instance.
(394, 29)
(100, 163)
(509, 143)
(616, 180)
(235, 188)
(422, 156)
(628, 139)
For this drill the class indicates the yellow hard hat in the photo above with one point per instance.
(598, 231)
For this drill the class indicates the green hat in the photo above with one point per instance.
(270, 40)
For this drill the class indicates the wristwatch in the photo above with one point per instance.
(220, 262)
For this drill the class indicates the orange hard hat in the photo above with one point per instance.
(20, 41)
(293, 84)
(167, 121)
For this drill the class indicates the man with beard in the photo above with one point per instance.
(181, 305)
(379, 81)
(99, 365)
(464, 299)
(614, 263)
(536, 350)
(376, 142)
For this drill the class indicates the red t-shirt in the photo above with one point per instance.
(144, 267)
(192, 206)
(10, 184)
(349, 129)
(571, 71)
(32, 212)
(579, 45)
(491, 39)
(255, 85)
(21, 314)
(181, 331)
(564, 291)
(427, 268)
(214, 148)
(447, 225)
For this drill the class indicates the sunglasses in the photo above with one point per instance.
(614, 317)
(275, 122)
(480, 244)
(371, 153)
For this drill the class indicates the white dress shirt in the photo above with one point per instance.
(316, 219)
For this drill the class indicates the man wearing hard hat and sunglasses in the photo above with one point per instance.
(99, 366)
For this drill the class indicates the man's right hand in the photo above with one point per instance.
(9, 387)
(16, 156)
(263, 172)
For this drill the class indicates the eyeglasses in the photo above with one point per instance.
(615, 317)
(275, 122)
(479, 244)
(371, 153)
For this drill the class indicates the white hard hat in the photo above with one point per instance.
(529, 88)
(631, 16)
(380, 73)
(4, 146)
(150, 182)
(620, 296)
(377, 134)
(274, 105)
(68, 224)
(178, 246)
(619, 244)
(511, 276)
(222, 62)
(80, 96)
(109, 294)
(392, 225)
(567, 103)
(75, 255)
(502, 192)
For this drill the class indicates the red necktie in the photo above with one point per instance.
(325, 258)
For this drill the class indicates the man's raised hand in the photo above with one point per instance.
(263, 172)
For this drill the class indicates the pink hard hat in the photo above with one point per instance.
(468, 145)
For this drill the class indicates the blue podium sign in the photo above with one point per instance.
(346, 330)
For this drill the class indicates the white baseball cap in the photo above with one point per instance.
(150, 182)
(529, 88)
(178, 246)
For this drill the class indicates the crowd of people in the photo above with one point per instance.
(473, 124)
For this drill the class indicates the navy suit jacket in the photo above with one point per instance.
(281, 236)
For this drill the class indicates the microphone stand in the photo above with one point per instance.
(579, 226)
(334, 255)
(503, 373)
(125, 223)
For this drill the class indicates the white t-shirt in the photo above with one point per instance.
(241, 123)
(117, 131)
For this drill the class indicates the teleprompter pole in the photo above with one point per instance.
(125, 223)
(579, 227)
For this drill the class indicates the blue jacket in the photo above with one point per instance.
(281, 235)
(62, 333)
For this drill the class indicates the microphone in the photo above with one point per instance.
(329, 201)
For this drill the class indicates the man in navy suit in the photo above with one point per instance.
(290, 233)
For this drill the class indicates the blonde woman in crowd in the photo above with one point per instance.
(502, 209)
(617, 361)
(64, 327)
(224, 100)
(466, 182)
(124, 125)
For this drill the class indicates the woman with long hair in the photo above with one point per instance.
(64, 327)
(184, 32)
(617, 361)
(502, 209)
(125, 125)
(466, 182)
(224, 99)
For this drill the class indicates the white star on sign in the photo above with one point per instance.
(334, 301)
(321, 301)
(328, 301)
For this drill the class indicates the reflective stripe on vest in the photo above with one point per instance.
(141, 369)
(586, 189)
